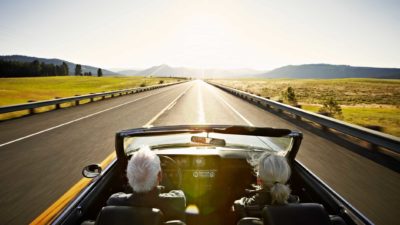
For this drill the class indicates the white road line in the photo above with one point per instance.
(233, 109)
(168, 107)
(270, 143)
(200, 111)
(73, 121)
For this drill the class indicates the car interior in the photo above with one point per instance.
(210, 192)
(212, 181)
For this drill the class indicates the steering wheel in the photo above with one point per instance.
(172, 174)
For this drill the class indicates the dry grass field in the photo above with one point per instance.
(21, 90)
(363, 101)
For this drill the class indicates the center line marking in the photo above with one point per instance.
(168, 107)
(200, 111)
(75, 120)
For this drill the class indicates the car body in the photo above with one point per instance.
(210, 163)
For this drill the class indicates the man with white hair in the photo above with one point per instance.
(144, 176)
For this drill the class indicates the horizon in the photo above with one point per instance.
(116, 70)
(205, 35)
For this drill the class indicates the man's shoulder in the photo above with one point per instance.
(119, 198)
(174, 198)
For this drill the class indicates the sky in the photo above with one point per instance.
(204, 34)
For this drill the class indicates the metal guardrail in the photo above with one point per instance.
(376, 138)
(57, 102)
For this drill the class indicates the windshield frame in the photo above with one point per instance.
(195, 129)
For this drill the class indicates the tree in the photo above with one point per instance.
(36, 68)
(78, 69)
(31, 69)
(290, 96)
(99, 73)
(65, 69)
(331, 108)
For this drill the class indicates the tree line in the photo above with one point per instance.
(39, 69)
(31, 69)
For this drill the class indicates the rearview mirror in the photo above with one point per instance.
(91, 171)
(206, 140)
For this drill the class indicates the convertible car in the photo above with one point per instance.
(210, 163)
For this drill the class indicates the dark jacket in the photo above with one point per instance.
(252, 206)
(171, 204)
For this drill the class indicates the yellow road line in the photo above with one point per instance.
(48, 215)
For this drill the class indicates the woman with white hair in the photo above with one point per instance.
(273, 172)
(144, 176)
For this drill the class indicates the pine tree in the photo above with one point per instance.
(65, 69)
(78, 69)
(99, 73)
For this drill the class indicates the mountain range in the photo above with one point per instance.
(322, 71)
(165, 70)
(71, 66)
(332, 71)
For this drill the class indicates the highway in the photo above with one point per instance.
(42, 156)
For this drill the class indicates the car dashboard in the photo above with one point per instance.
(210, 181)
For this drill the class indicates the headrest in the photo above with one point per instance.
(296, 214)
(129, 215)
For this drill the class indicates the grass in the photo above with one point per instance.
(385, 116)
(20, 90)
(349, 91)
(364, 101)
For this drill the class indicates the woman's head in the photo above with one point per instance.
(274, 172)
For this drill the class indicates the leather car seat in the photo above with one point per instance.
(296, 214)
(129, 215)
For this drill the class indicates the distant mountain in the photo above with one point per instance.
(71, 66)
(165, 70)
(332, 71)
(129, 72)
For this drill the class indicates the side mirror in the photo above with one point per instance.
(91, 171)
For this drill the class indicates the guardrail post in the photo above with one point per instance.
(373, 147)
(297, 116)
(77, 101)
(280, 110)
(58, 105)
(32, 110)
(92, 98)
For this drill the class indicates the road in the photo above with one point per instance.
(41, 156)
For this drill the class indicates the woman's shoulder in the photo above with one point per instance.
(293, 199)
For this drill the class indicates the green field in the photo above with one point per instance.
(21, 90)
(363, 101)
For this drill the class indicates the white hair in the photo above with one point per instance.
(143, 169)
(274, 171)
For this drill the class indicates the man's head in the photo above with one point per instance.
(144, 170)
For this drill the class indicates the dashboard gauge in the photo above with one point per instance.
(184, 162)
(199, 162)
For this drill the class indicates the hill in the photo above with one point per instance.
(71, 66)
(128, 72)
(166, 70)
(332, 71)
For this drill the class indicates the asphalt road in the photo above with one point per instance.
(41, 156)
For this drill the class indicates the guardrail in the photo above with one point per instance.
(375, 138)
(76, 99)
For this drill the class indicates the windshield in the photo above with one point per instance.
(280, 145)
